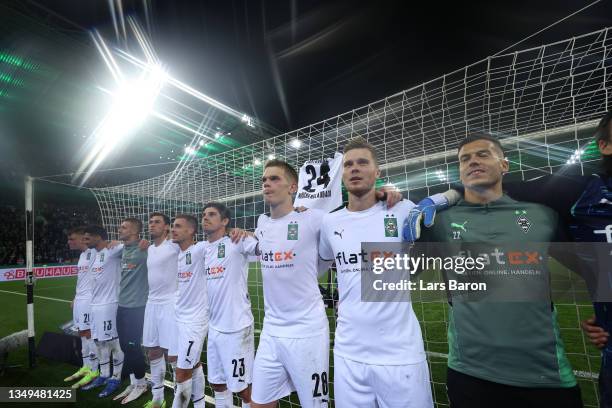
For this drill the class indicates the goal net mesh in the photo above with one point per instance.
(543, 103)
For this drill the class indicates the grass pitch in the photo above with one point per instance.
(52, 308)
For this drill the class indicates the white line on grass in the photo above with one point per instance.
(36, 296)
(54, 287)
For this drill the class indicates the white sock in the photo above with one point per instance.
(197, 387)
(158, 372)
(92, 353)
(117, 359)
(246, 404)
(182, 394)
(104, 353)
(85, 351)
(223, 399)
(132, 379)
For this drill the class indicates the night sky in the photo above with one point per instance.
(286, 63)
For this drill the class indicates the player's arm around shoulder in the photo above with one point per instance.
(248, 245)
(115, 251)
(200, 247)
(314, 219)
(326, 253)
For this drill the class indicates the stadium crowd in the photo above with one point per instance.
(51, 224)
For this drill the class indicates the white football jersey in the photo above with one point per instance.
(381, 333)
(84, 283)
(227, 269)
(106, 275)
(162, 272)
(192, 300)
(289, 264)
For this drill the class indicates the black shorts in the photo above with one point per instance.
(465, 391)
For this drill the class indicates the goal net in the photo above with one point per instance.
(543, 103)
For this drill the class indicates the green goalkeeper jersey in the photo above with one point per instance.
(512, 343)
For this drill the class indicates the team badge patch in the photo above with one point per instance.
(89, 256)
(102, 257)
(390, 226)
(522, 221)
(221, 251)
(292, 231)
(188, 258)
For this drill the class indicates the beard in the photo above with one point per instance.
(606, 164)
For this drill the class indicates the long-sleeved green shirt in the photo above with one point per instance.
(512, 343)
(134, 285)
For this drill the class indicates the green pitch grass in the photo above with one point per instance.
(52, 309)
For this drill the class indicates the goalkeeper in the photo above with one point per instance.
(584, 204)
(500, 354)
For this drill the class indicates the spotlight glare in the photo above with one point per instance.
(271, 157)
(132, 103)
(296, 143)
(257, 162)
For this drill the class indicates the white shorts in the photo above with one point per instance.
(81, 314)
(159, 328)
(359, 385)
(189, 343)
(285, 365)
(104, 322)
(230, 358)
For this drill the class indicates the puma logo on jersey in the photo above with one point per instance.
(240, 380)
(339, 233)
(459, 226)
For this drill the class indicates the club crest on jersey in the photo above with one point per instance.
(292, 231)
(221, 251)
(89, 256)
(188, 258)
(390, 226)
(102, 257)
(522, 221)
